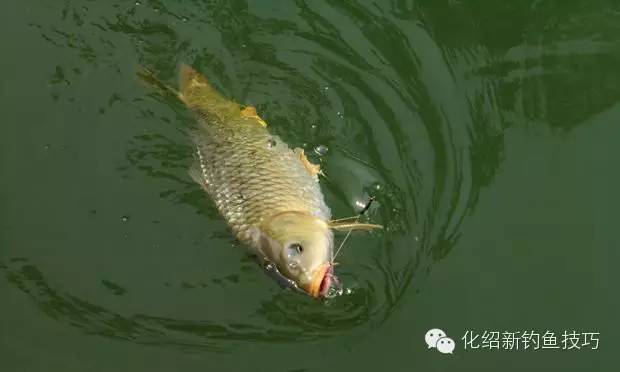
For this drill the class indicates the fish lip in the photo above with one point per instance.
(321, 281)
(326, 283)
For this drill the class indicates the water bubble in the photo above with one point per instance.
(326, 88)
(313, 126)
(334, 292)
(124, 218)
(270, 266)
(321, 150)
(46, 147)
(336, 288)
(340, 114)
(271, 143)
(138, 3)
(184, 19)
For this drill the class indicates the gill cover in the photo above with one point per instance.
(299, 244)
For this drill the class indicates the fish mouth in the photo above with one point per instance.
(321, 281)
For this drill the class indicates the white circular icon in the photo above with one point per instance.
(445, 345)
(432, 336)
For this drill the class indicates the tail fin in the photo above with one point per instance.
(148, 78)
(198, 93)
(188, 78)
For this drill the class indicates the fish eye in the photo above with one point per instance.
(295, 248)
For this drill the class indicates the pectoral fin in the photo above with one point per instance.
(313, 169)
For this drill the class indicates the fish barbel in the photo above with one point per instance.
(268, 193)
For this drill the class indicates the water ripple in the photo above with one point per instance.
(409, 119)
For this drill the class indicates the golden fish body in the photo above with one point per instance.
(252, 175)
(268, 193)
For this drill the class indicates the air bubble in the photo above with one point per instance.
(321, 150)
(335, 291)
(124, 218)
(271, 143)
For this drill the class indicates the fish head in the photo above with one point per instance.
(301, 246)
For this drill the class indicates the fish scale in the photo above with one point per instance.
(270, 175)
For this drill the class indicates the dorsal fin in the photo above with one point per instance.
(249, 112)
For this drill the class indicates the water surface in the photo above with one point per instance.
(487, 132)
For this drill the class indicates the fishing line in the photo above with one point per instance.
(361, 213)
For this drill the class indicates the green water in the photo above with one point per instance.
(487, 131)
